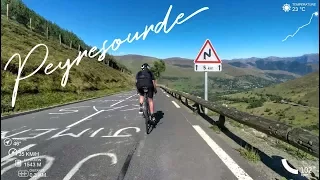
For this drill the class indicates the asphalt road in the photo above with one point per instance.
(105, 139)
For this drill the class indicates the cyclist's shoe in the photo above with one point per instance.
(140, 109)
(153, 119)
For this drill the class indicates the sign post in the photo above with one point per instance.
(206, 89)
(207, 60)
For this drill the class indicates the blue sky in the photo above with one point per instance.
(237, 29)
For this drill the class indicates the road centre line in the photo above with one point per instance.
(86, 118)
(122, 100)
(175, 104)
(225, 158)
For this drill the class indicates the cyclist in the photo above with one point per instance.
(145, 78)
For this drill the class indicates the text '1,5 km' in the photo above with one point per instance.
(207, 59)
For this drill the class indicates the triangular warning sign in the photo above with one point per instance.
(207, 54)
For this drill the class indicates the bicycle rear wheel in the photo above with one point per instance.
(146, 113)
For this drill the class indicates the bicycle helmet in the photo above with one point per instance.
(144, 66)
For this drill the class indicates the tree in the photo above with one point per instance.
(157, 68)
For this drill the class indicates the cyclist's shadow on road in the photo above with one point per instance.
(158, 115)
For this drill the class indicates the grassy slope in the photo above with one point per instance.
(89, 79)
(305, 88)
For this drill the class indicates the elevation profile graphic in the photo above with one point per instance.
(292, 35)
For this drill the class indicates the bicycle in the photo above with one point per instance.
(146, 109)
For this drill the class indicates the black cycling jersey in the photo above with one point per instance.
(144, 78)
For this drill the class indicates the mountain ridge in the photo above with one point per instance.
(299, 65)
(234, 59)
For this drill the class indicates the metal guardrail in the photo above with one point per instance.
(298, 137)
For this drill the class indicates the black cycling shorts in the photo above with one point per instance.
(150, 91)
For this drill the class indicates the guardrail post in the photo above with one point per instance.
(197, 107)
(221, 121)
(202, 109)
(186, 102)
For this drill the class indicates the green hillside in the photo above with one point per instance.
(303, 90)
(89, 79)
(294, 102)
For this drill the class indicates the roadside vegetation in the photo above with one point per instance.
(249, 153)
(89, 79)
(283, 105)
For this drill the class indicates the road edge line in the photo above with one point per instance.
(236, 170)
(175, 104)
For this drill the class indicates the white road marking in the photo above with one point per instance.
(84, 119)
(94, 107)
(17, 152)
(175, 104)
(225, 158)
(69, 110)
(122, 101)
(113, 157)
(7, 161)
(96, 132)
(110, 132)
(116, 134)
(111, 108)
(120, 130)
(168, 95)
(37, 135)
(19, 128)
(3, 135)
(59, 134)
